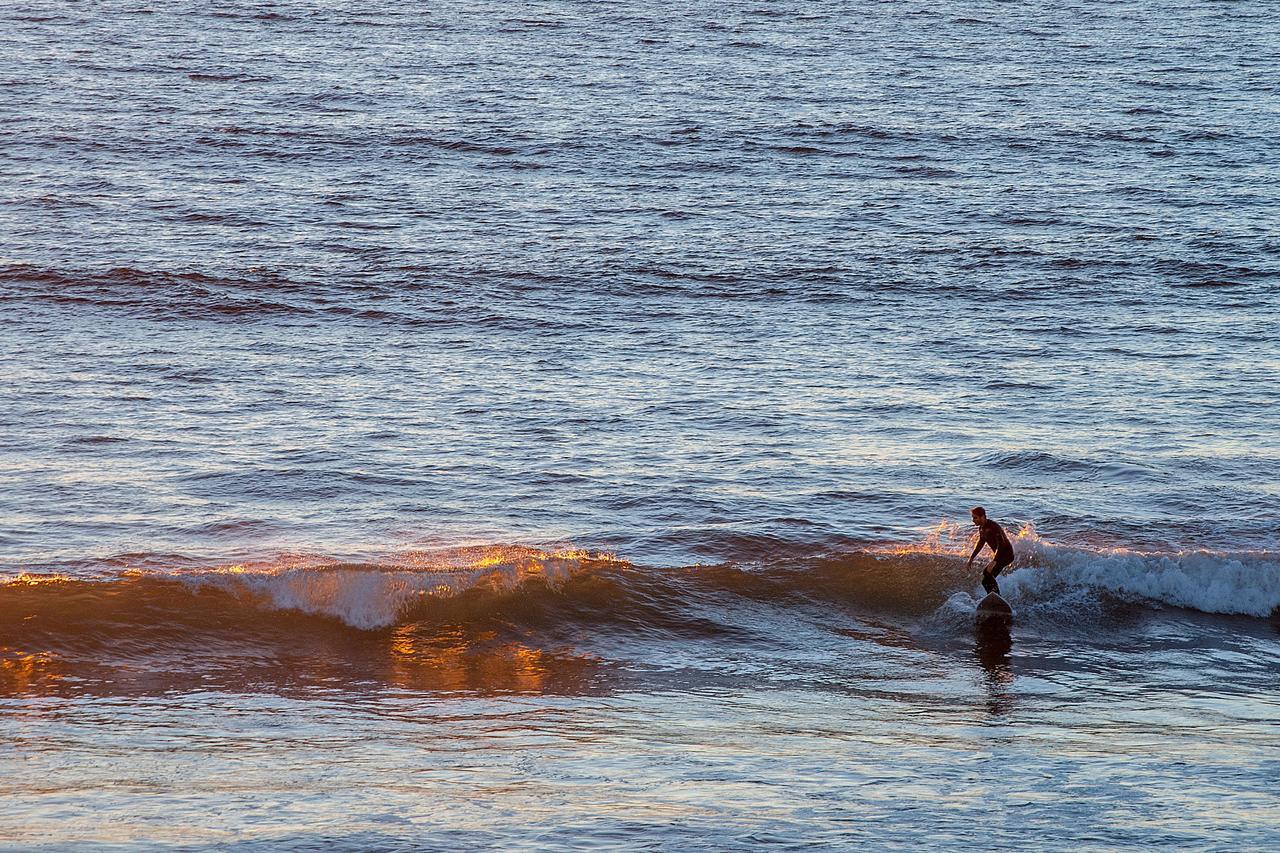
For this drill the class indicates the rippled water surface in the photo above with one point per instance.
(537, 425)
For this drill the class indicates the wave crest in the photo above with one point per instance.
(371, 596)
(534, 592)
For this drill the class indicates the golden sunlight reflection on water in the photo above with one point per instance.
(453, 659)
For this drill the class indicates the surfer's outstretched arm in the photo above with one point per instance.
(982, 540)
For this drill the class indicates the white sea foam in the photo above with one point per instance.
(1241, 583)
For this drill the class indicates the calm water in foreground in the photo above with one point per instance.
(538, 425)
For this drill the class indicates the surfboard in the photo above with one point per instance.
(994, 608)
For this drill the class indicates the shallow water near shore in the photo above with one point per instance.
(554, 425)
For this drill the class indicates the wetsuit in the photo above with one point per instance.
(993, 534)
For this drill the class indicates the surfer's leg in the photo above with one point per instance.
(997, 566)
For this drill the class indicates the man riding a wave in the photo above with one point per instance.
(990, 533)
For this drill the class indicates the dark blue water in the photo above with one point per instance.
(632, 362)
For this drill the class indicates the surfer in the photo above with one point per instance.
(990, 533)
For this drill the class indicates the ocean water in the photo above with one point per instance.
(553, 425)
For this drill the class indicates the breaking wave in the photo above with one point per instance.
(548, 591)
(1245, 584)
(1052, 575)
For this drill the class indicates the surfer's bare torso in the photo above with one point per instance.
(993, 535)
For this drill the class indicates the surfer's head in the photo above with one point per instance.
(979, 514)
